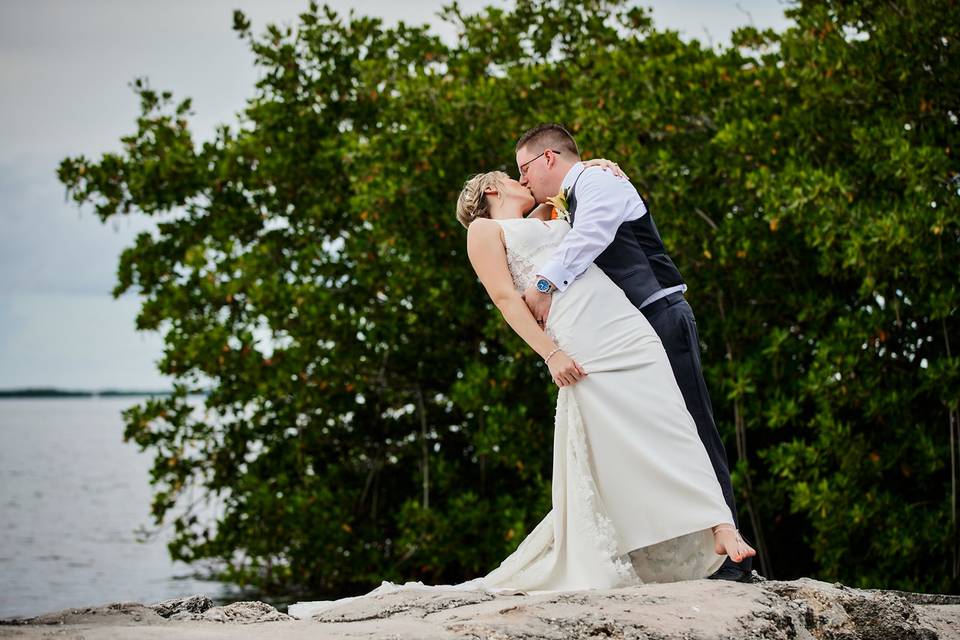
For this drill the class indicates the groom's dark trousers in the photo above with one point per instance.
(672, 319)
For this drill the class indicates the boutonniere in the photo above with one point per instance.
(560, 210)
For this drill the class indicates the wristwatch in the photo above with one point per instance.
(544, 286)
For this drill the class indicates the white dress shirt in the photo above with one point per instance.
(604, 202)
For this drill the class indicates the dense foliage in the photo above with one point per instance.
(370, 415)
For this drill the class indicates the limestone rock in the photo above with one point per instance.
(200, 607)
(799, 609)
(183, 608)
(803, 609)
(117, 613)
(243, 613)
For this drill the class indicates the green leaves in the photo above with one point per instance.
(371, 417)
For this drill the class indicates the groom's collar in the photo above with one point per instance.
(571, 176)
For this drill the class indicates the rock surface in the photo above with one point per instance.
(700, 609)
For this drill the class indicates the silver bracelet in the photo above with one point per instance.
(547, 359)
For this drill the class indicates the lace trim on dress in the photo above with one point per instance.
(599, 527)
(520, 253)
(522, 269)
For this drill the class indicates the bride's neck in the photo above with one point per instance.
(507, 209)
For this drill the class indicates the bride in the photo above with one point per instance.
(635, 498)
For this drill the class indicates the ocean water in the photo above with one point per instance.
(72, 494)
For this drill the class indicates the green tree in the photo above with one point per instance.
(370, 415)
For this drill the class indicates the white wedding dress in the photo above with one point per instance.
(634, 493)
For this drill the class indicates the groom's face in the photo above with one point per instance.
(537, 172)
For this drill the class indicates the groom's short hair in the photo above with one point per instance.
(548, 136)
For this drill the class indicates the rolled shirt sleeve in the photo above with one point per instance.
(604, 202)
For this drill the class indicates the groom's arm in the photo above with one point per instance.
(604, 202)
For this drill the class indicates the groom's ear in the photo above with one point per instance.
(551, 158)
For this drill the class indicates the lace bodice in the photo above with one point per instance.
(530, 243)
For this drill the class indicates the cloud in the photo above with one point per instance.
(75, 341)
(64, 73)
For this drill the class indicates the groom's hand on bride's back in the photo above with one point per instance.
(606, 165)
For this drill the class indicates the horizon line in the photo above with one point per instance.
(51, 391)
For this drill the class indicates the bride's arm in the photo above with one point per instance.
(487, 254)
(485, 248)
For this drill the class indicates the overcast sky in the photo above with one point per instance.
(65, 66)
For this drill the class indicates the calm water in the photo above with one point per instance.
(72, 494)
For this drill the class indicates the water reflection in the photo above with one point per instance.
(72, 496)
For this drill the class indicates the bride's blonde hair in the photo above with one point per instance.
(473, 203)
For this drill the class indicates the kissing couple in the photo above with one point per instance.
(641, 488)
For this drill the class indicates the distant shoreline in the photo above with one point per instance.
(51, 392)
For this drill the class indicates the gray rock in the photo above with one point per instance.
(409, 602)
(177, 607)
(836, 611)
(115, 613)
(803, 609)
(200, 607)
(243, 613)
(703, 609)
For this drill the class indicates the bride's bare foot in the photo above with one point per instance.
(727, 541)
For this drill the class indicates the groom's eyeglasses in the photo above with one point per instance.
(523, 167)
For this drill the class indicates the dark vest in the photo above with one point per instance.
(635, 259)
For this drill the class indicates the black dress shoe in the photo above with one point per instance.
(737, 575)
(727, 572)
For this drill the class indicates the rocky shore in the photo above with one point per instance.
(700, 609)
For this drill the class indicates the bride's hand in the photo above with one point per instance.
(564, 370)
(606, 165)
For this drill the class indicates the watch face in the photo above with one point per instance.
(543, 285)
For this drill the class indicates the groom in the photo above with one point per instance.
(613, 228)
